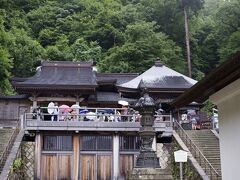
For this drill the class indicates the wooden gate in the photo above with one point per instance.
(88, 167)
(126, 164)
(56, 167)
(96, 167)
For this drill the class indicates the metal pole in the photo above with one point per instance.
(181, 171)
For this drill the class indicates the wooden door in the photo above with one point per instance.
(88, 163)
(126, 164)
(49, 167)
(64, 167)
(56, 167)
(104, 167)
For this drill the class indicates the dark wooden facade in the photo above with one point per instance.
(82, 160)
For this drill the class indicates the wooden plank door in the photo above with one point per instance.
(88, 163)
(49, 167)
(64, 167)
(104, 167)
(126, 164)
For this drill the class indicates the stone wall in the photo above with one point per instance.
(164, 152)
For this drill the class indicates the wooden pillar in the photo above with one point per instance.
(38, 154)
(76, 155)
(115, 156)
(34, 100)
(34, 103)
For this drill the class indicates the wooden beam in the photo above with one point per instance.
(76, 152)
(115, 156)
(47, 99)
(38, 148)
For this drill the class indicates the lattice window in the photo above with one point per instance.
(96, 143)
(129, 143)
(57, 143)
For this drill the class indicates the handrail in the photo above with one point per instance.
(9, 145)
(196, 151)
(93, 114)
(163, 120)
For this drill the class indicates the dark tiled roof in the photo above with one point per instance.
(118, 78)
(18, 79)
(107, 97)
(159, 76)
(167, 82)
(21, 96)
(111, 97)
(61, 75)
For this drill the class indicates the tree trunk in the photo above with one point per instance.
(187, 41)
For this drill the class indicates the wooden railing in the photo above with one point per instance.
(196, 152)
(8, 148)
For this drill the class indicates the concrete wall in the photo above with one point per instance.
(228, 103)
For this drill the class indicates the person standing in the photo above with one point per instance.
(55, 112)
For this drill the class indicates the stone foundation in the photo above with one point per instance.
(149, 174)
(164, 152)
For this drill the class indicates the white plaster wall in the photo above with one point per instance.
(228, 102)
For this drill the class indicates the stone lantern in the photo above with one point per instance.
(147, 157)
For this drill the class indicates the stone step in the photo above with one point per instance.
(150, 174)
(5, 135)
(208, 144)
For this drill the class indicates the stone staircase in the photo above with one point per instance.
(208, 144)
(5, 137)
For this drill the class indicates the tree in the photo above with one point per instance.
(84, 51)
(140, 50)
(230, 47)
(5, 60)
(25, 52)
(5, 68)
(60, 50)
(194, 5)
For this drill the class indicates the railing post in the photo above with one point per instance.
(171, 120)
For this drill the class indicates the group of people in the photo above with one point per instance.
(192, 118)
(75, 113)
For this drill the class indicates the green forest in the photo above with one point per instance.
(120, 35)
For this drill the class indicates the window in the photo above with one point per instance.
(129, 143)
(96, 143)
(57, 143)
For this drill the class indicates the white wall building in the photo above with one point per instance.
(228, 103)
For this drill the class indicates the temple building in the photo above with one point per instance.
(99, 140)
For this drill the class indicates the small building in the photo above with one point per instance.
(222, 87)
(95, 146)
